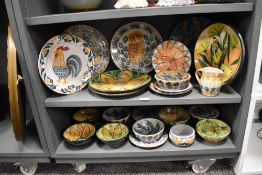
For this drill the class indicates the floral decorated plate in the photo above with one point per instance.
(220, 46)
(132, 46)
(171, 56)
(153, 88)
(119, 81)
(66, 63)
(96, 41)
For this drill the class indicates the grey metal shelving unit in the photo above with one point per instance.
(38, 20)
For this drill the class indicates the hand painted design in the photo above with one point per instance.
(148, 128)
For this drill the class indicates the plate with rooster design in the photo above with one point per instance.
(66, 63)
(171, 56)
(96, 41)
(132, 46)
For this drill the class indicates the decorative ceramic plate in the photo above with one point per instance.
(132, 46)
(154, 89)
(16, 108)
(96, 41)
(119, 81)
(66, 63)
(189, 86)
(220, 46)
(142, 144)
(188, 30)
(171, 56)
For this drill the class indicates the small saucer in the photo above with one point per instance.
(141, 144)
(154, 89)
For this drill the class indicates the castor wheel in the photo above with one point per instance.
(79, 167)
(201, 165)
(27, 168)
(199, 168)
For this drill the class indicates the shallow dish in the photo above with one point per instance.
(79, 134)
(172, 115)
(86, 115)
(113, 134)
(172, 80)
(182, 135)
(201, 112)
(148, 130)
(213, 130)
(80, 5)
(153, 87)
(116, 115)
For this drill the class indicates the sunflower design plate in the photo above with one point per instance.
(119, 81)
(220, 46)
(96, 41)
(132, 46)
(171, 56)
(66, 63)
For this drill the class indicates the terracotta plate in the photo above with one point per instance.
(132, 46)
(66, 63)
(96, 41)
(220, 46)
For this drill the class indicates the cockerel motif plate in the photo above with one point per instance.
(132, 46)
(66, 63)
(97, 41)
(171, 56)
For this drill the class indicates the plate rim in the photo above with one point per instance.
(165, 136)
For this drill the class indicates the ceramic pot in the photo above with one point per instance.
(210, 81)
(182, 135)
(80, 5)
(148, 130)
(116, 115)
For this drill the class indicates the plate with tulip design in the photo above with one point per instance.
(119, 81)
(171, 56)
(220, 46)
(96, 41)
(66, 63)
(132, 46)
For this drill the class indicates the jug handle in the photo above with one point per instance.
(197, 74)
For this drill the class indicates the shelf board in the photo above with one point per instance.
(85, 99)
(9, 147)
(253, 158)
(139, 12)
(98, 152)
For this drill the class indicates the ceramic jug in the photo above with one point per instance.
(210, 80)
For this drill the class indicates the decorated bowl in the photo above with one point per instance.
(201, 112)
(79, 134)
(116, 115)
(182, 135)
(213, 130)
(172, 80)
(80, 5)
(172, 115)
(148, 130)
(113, 134)
(86, 115)
(145, 112)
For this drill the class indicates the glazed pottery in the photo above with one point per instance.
(148, 130)
(201, 112)
(139, 143)
(172, 115)
(220, 46)
(145, 112)
(79, 134)
(86, 115)
(116, 115)
(210, 81)
(171, 56)
(80, 5)
(153, 87)
(96, 41)
(126, 4)
(118, 81)
(65, 64)
(164, 3)
(182, 135)
(132, 46)
(213, 130)
(172, 80)
(113, 134)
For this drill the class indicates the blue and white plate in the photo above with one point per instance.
(96, 41)
(66, 63)
(132, 46)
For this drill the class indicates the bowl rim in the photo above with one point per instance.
(82, 139)
(197, 106)
(115, 120)
(173, 81)
(150, 135)
(193, 133)
(112, 139)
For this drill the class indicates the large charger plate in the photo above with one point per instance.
(220, 46)
(96, 41)
(132, 46)
(119, 81)
(66, 63)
